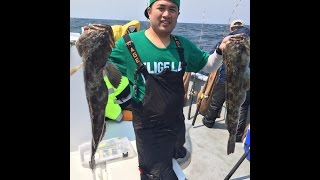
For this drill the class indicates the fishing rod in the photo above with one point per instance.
(229, 20)
(76, 68)
(192, 91)
(203, 95)
(237, 165)
(199, 103)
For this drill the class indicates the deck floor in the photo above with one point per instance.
(209, 159)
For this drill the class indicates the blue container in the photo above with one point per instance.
(247, 143)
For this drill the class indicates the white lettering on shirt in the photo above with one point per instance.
(158, 67)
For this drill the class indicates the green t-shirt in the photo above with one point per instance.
(155, 59)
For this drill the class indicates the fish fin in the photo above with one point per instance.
(231, 144)
(246, 80)
(113, 74)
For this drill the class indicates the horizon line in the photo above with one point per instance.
(148, 20)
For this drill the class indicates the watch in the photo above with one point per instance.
(218, 50)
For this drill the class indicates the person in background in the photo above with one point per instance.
(218, 96)
(154, 61)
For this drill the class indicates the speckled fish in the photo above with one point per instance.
(236, 57)
(94, 46)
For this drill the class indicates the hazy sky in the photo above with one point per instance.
(191, 11)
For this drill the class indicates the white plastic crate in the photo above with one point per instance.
(109, 150)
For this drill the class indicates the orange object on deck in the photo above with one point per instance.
(127, 115)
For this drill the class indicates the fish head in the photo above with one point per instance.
(236, 54)
(94, 38)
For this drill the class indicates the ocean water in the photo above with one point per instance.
(204, 36)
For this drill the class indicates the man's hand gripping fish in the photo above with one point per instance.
(236, 57)
(94, 46)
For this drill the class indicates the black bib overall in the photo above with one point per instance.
(158, 123)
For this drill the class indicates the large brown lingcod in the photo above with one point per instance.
(236, 57)
(94, 46)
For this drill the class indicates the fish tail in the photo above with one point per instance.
(92, 163)
(231, 144)
(93, 174)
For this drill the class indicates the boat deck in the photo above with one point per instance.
(209, 159)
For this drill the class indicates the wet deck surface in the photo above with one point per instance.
(208, 146)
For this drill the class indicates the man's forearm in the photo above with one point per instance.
(214, 62)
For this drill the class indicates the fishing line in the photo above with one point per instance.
(192, 91)
(201, 32)
(226, 31)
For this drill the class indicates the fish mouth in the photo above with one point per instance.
(103, 28)
(100, 28)
(93, 37)
(239, 38)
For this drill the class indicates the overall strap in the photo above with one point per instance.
(180, 51)
(140, 67)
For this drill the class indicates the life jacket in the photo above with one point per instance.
(121, 30)
(113, 109)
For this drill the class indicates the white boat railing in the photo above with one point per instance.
(73, 38)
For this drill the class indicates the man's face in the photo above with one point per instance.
(163, 16)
